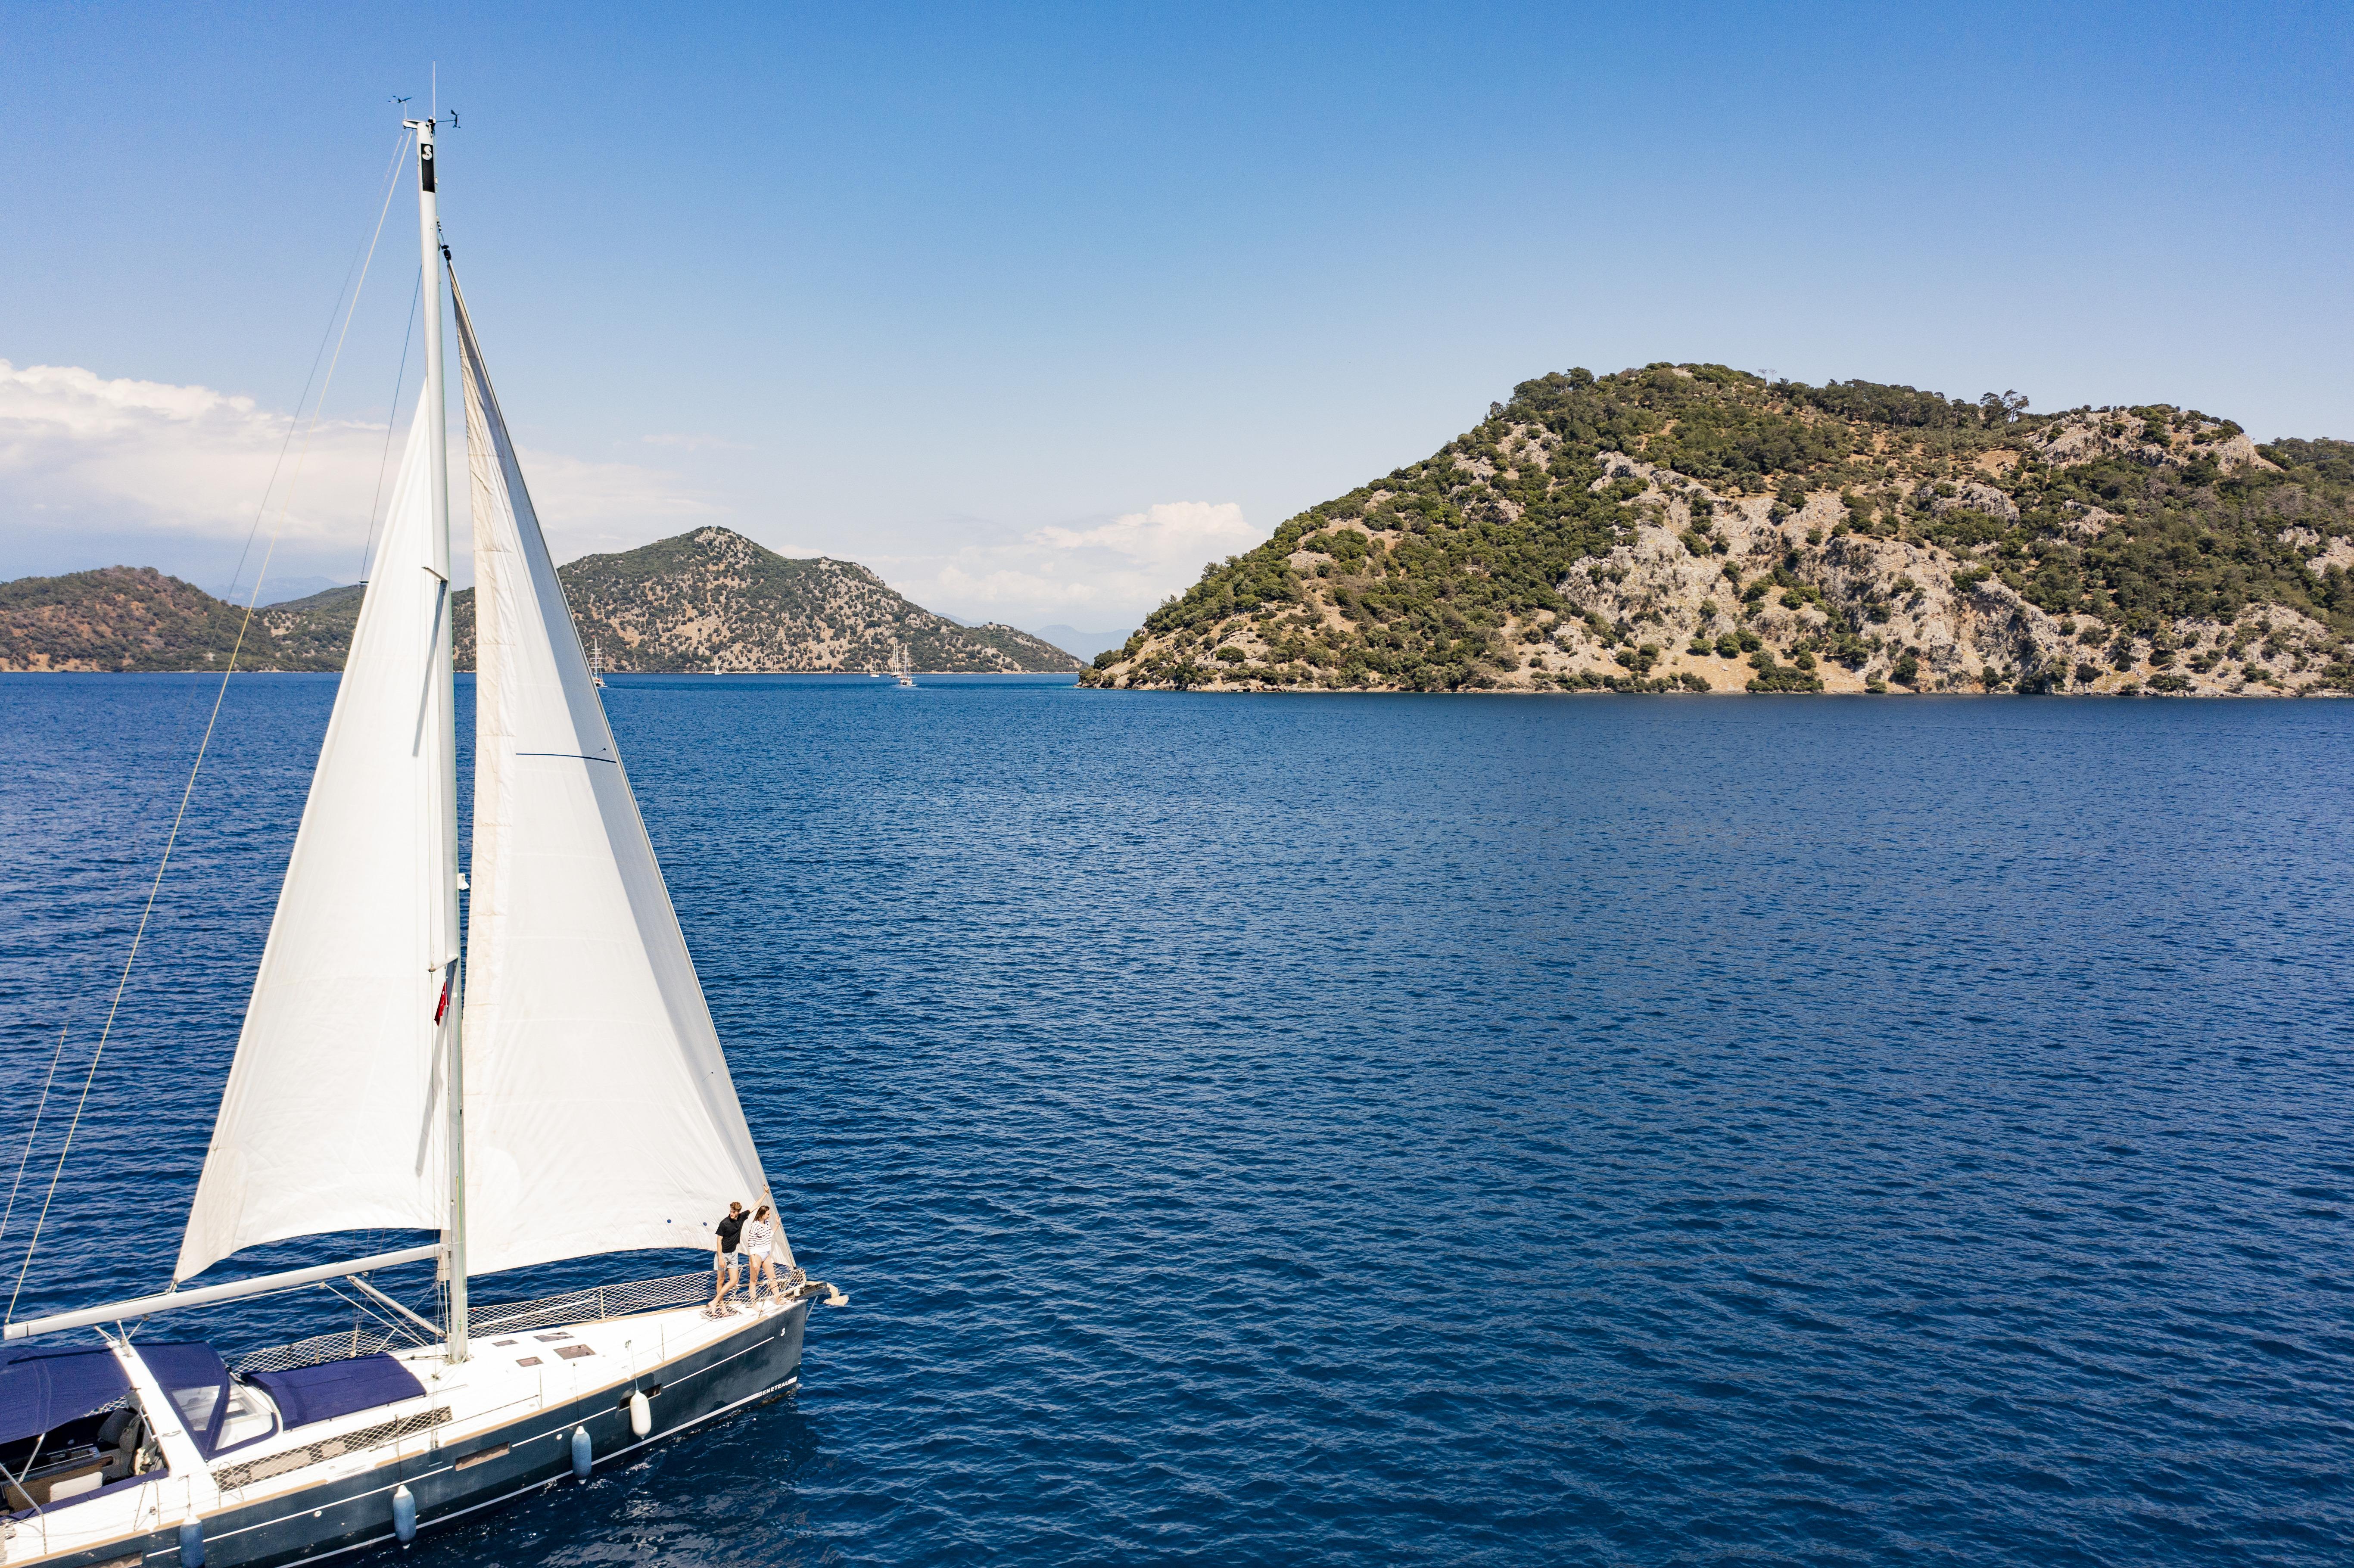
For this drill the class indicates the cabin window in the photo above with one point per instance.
(249, 1416)
(198, 1384)
(219, 1413)
(197, 1407)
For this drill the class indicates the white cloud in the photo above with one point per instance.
(184, 470)
(95, 470)
(587, 506)
(1102, 575)
(76, 449)
(1171, 531)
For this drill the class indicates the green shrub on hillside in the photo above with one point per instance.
(2325, 462)
(1773, 677)
(1465, 566)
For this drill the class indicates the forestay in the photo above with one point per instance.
(331, 1119)
(599, 1115)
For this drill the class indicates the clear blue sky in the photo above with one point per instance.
(914, 284)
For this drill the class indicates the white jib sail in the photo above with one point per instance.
(599, 1115)
(332, 1120)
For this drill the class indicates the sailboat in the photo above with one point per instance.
(557, 1090)
(899, 664)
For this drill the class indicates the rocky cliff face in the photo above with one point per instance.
(1692, 528)
(1852, 608)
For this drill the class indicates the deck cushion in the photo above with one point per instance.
(338, 1388)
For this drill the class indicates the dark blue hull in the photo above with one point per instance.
(460, 1479)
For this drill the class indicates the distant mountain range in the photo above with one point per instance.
(277, 590)
(679, 604)
(1085, 644)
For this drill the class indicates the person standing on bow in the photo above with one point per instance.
(723, 1259)
(760, 1249)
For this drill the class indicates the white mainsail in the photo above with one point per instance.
(599, 1115)
(333, 1119)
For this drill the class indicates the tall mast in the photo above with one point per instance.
(454, 1236)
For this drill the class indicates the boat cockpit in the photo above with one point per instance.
(70, 1426)
(76, 1424)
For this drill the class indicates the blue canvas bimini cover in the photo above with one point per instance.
(41, 1389)
(323, 1393)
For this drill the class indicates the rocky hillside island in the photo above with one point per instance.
(677, 604)
(135, 617)
(1689, 527)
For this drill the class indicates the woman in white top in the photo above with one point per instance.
(759, 1245)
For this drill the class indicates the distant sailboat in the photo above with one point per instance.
(596, 665)
(588, 1111)
(899, 662)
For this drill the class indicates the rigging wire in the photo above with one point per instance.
(391, 423)
(390, 180)
(392, 171)
(220, 695)
(391, 184)
(360, 1308)
(39, 1109)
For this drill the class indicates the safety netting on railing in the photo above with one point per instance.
(590, 1306)
(339, 1346)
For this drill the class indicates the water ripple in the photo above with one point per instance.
(1391, 1129)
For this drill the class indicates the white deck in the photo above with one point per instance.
(506, 1378)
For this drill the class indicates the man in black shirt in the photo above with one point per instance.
(724, 1258)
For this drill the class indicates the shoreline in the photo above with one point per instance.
(1234, 691)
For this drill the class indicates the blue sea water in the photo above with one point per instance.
(1392, 1130)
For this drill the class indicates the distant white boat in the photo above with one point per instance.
(596, 665)
(899, 665)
